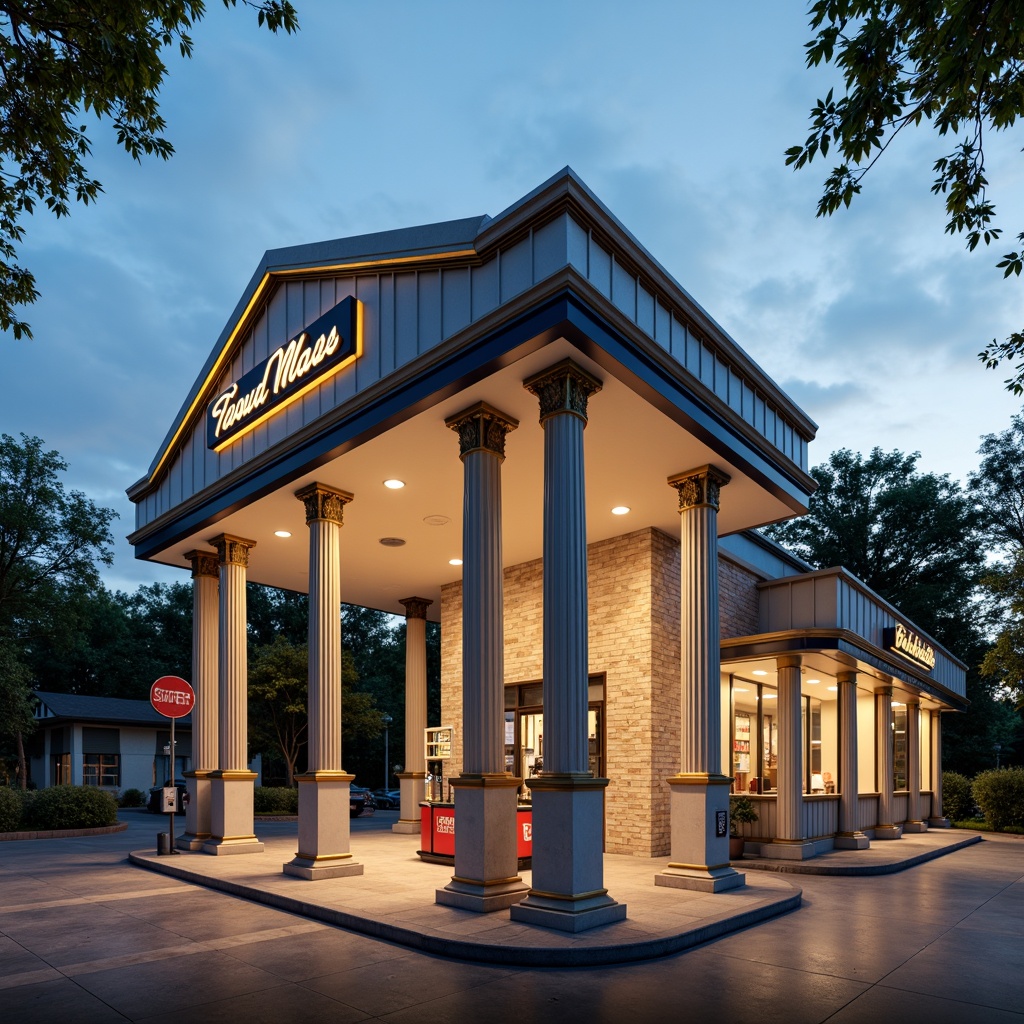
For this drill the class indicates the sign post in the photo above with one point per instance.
(173, 698)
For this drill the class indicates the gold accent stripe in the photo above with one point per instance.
(700, 867)
(320, 858)
(575, 898)
(486, 882)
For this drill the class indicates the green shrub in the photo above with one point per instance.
(1000, 795)
(275, 800)
(10, 810)
(132, 798)
(70, 807)
(957, 800)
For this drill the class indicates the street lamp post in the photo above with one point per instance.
(387, 720)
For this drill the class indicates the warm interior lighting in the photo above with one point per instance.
(740, 689)
(394, 485)
(620, 510)
(759, 672)
(281, 533)
(770, 696)
(812, 682)
(455, 561)
(833, 689)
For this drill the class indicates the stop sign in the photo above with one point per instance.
(172, 697)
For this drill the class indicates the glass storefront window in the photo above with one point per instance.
(754, 737)
(899, 748)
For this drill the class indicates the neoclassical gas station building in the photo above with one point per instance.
(523, 427)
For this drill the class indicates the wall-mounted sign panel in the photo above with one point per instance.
(909, 644)
(326, 346)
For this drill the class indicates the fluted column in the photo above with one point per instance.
(849, 837)
(568, 891)
(886, 828)
(699, 799)
(938, 817)
(231, 785)
(324, 787)
(485, 794)
(205, 729)
(412, 781)
(914, 822)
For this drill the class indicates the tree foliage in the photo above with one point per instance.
(956, 64)
(60, 62)
(912, 537)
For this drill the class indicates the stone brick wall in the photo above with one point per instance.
(737, 599)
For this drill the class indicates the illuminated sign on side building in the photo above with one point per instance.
(326, 346)
(911, 645)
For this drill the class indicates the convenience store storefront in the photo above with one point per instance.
(520, 426)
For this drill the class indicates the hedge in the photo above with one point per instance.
(275, 800)
(10, 810)
(957, 800)
(1000, 795)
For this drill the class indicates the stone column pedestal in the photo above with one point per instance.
(197, 812)
(231, 813)
(412, 787)
(699, 808)
(486, 865)
(568, 891)
(323, 825)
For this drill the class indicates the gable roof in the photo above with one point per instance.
(55, 707)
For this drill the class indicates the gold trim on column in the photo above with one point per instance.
(232, 550)
(481, 428)
(564, 387)
(788, 661)
(323, 502)
(204, 563)
(699, 487)
(416, 607)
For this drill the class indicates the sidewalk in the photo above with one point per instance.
(394, 898)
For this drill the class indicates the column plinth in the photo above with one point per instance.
(231, 785)
(699, 793)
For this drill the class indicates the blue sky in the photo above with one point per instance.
(378, 116)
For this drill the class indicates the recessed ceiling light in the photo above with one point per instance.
(394, 485)
(896, 704)
(455, 561)
(740, 689)
(392, 542)
(281, 533)
(620, 510)
(812, 682)
(759, 672)
(833, 689)
(770, 696)
(436, 520)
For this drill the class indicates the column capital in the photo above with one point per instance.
(699, 486)
(323, 502)
(204, 563)
(416, 607)
(233, 550)
(481, 428)
(564, 387)
(848, 676)
(788, 661)
(884, 690)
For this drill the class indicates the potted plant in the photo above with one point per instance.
(741, 812)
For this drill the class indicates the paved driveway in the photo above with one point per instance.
(86, 937)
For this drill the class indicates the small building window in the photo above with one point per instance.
(101, 769)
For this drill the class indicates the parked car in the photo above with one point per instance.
(387, 799)
(156, 797)
(360, 802)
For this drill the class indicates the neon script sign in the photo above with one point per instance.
(911, 645)
(326, 346)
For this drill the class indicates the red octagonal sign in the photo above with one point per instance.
(172, 697)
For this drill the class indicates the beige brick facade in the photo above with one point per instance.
(634, 643)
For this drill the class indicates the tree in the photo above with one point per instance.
(912, 537)
(16, 719)
(277, 701)
(957, 64)
(61, 60)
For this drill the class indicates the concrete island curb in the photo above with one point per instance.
(593, 953)
(822, 866)
(63, 833)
